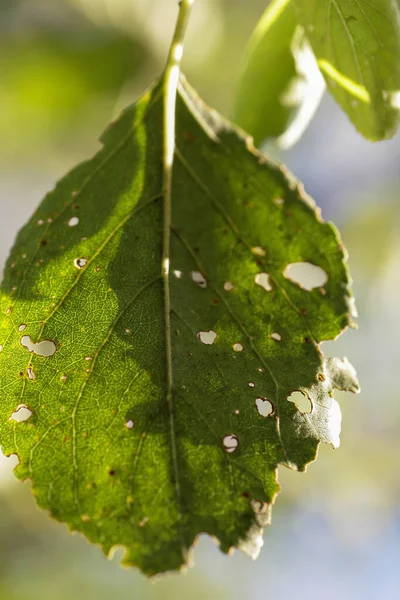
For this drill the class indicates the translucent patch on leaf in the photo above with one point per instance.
(351, 302)
(73, 222)
(342, 374)
(262, 279)
(264, 407)
(199, 278)
(302, 402)
(228, 286)
(80, 263)
(258, 251)
(207, 337)
(276, 336)
(253, 542)
(45, 348)
(238, 347)
(230, 442)
(260, 508)
(394, 99)
(306, 275)
(21, 414)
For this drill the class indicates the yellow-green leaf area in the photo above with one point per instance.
(113, 447)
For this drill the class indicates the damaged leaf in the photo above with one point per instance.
(145, 425)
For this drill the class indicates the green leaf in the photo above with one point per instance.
(357, 44)
(280, 85)
(141, 434)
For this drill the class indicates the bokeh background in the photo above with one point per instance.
(67, 67)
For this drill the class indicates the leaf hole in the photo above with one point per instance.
(80, 263)
(276, 336)
(22, 327)
(301, 401)
(73, 222)
(45, 348)
(238, 347)
(263, 280)
(228, 286)
(264, 407)
(30, 373)
(306, 275)
(207, 337)
(230, 442)
(21, 414)
(199, 278)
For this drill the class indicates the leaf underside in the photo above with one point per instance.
(83, 339)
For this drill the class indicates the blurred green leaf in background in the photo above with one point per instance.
(280, 86)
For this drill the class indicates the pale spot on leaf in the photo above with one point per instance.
(258, 251)
(228, 286)
(276, 336)
(30, 373)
